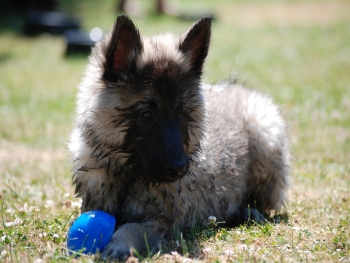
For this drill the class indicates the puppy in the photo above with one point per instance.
(159, 151)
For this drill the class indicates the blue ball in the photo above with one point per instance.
(90, 231)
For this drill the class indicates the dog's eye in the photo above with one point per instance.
(147, 115)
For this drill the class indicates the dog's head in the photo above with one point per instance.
(147, 104)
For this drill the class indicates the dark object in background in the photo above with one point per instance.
(23, 6)
(80, 42)
(55, 23)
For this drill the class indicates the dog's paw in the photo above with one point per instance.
(119, 252)
(127, 238)
(251, 214)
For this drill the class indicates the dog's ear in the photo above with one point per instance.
(194, 44)
(123, 48)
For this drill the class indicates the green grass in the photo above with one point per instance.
(303, 64)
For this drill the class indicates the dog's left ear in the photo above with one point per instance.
(194, 44)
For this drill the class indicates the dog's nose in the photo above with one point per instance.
(178, 167)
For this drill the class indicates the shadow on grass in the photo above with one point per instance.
(193, 243)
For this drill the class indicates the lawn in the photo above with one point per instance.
(296, 51)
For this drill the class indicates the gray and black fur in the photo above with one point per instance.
(160, 151)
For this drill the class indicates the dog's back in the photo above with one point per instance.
(248, 136)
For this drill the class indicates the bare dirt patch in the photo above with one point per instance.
(32, 172)
(285, 13)
(13, 157)
(12, 153)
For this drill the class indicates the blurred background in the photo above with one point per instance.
(298, 51)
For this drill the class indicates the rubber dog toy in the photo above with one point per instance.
(90, 232)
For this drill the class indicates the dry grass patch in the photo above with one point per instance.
(33, 174)
(300, 13)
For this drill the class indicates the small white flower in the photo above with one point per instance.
(206, 250)
(56, 235)
(17, 221)
(9, 224)
(66, 194)
(3, 238)
(3, 254)
(76, 204)
(242, 247)
(49, 203)
(24, 208)
(43, 234)
(211, 219)
(10, 210)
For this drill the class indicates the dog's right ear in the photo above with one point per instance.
(122, 50)
(194, 44)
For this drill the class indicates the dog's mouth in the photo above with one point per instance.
(161, 170)
(158, 173)
(169, 176)
(166, 179)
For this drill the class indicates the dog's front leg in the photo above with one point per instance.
(137, 236)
